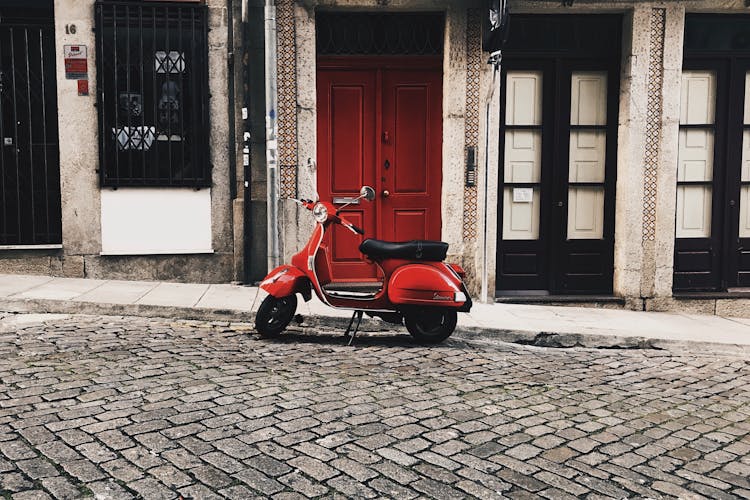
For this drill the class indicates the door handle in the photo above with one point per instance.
(386, 193)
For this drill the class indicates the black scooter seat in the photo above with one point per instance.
(433, 251)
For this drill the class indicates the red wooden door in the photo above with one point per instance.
(411, 146)
(379, 125)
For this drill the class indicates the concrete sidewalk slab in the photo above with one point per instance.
(61, 289)
(550, 326)
(228, 297)
(174, 294)
(18, 284)
(118, 292)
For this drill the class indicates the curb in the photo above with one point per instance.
(558, 340)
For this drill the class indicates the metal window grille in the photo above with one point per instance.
(29, 156)
(370, 33)
(152, 63)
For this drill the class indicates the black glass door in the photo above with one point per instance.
(558, 157)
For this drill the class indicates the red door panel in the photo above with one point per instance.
(412, 124)
(410, 225)
(346, 155)
(379, 126)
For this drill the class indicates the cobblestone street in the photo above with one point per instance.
(118, 407)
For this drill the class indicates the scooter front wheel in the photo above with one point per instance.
(431, 325)
(274, 314)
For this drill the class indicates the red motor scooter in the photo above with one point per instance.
(418, 288)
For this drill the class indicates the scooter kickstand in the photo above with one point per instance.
(358, 315)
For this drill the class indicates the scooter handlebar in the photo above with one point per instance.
(351, 227)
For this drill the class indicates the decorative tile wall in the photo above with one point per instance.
(473, 68)
(286, 71)
(653, 122)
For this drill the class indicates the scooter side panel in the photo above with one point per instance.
(287, 280)
(425, 285)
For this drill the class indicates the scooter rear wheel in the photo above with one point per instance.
(274, 314)
(431, 325)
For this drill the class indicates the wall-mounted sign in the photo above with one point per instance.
(76, 62)
(523, 195)
(83, 87)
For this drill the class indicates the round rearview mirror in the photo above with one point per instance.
(367, 193)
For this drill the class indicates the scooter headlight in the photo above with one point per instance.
(320, 212)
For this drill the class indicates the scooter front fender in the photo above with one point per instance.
(287, 280)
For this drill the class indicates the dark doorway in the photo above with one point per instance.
(379, 103)
(712, 237)
(29, 155)
(558, 151)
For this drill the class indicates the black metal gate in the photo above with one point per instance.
(29, 155)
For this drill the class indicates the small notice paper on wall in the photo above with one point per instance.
(523, 195)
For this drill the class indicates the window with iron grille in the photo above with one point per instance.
(379, 33)
(152, 85)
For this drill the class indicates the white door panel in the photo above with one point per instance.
(585, 213)
(698, 99)
(744, 230)
(524, 98)
(745, 212)
(693, 212)
(588, 98)
(587, 155)
(696, 155)
(523, 155)
(520, 219)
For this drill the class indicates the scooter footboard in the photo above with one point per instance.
(287, 280)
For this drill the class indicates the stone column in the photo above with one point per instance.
(628, 256)
(78, 130)
(666, 181)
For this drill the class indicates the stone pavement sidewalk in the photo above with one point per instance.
(540, 325)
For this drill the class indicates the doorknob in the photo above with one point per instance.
(386, 193)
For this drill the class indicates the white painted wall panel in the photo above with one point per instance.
(145, 221)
